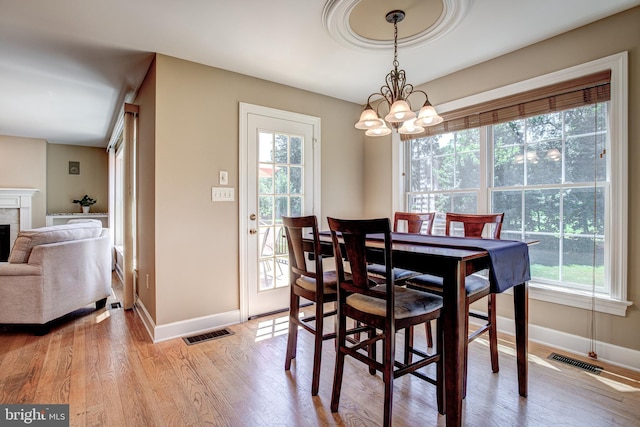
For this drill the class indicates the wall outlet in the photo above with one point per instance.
(222, 194)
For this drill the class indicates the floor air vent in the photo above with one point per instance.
(207, 336)
(577, 363)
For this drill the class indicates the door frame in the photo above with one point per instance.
(243, 193)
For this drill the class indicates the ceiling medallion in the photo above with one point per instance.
(336, 15)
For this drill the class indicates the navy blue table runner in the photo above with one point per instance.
(508, 259)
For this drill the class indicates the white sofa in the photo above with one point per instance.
(55, 270)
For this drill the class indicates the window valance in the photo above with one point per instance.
(573, 93)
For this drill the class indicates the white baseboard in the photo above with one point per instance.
(185, 327)
(147, 321)
(613, 354)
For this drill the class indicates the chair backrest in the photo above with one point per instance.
(474, 224)
(414, 222)
(349, 243)
(295, 229)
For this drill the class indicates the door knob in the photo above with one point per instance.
(253, 231)
(252, 217)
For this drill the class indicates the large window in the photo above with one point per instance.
(556, 177)
(551, 182)
(544, 173)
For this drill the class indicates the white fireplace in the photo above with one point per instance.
(15, 209)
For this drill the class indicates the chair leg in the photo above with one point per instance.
(387, 374)
(339, 368)
(427, 327)
(440, 396)
(408, 345)
(466, 351)
(493, 333)
(317, 350)
(292, 339)
(372, 349)
(356, 336)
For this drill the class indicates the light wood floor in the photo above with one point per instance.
(105, 366)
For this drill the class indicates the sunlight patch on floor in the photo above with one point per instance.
(616, 385)
(103, 316)
(622, 385)
(512, 352)
(272, 328)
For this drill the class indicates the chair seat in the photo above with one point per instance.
(399, 274)
(409, 302)
(426, 282)
(330, 280)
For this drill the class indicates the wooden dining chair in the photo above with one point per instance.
(314, 284)
(477, 287)
(408, 222)
(381, 309)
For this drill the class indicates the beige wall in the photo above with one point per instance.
(377, 177)
(23, 164)
(63, 187)
(196, 135)
(612, 35)
(146, 192)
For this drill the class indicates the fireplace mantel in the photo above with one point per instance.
(18, 198)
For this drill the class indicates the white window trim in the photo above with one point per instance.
(616, 303)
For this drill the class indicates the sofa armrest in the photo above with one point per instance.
(7, 269)
(21, 293)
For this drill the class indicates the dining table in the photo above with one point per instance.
(453, 259)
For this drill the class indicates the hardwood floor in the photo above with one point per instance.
(105, 366)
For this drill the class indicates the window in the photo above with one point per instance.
(559, 176)
(444, 174)
(118, 215)
(550, 180)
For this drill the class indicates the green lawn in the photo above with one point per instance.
(580, 274)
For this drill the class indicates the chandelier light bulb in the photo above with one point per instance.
(400, 111)
(381, 130)
(410, 128)
(428, 116)
(368, 119)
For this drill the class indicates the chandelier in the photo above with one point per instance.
(395, 94)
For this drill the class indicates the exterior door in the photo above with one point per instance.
(280, 181)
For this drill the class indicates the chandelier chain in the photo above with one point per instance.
(395, 43)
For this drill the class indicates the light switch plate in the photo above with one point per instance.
(222, 194)
(223, 178)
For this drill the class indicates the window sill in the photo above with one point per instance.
(578, 299)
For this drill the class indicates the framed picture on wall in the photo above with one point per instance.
(74, 168)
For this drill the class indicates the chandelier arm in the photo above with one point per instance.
(383, 99)
(372, 95)
(422, 92)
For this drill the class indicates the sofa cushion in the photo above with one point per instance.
(27, 239)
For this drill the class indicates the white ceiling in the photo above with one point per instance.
(66, 65)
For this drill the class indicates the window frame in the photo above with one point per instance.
(617, 204)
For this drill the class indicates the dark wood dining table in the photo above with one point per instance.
(453, 260)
